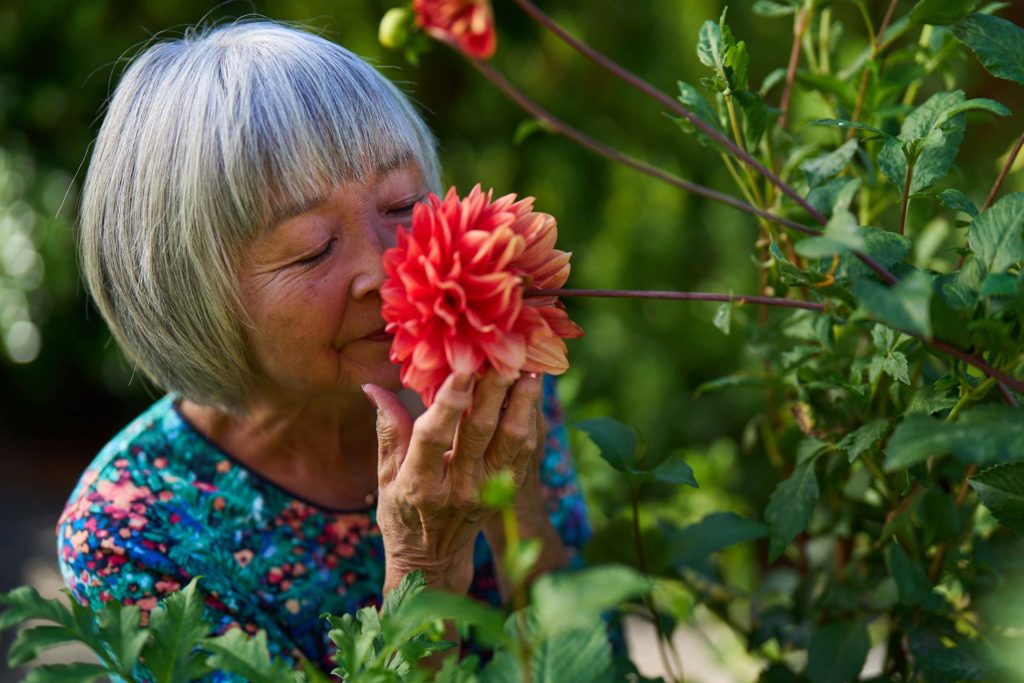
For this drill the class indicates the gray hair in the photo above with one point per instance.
(208, 141)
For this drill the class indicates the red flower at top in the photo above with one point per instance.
(468, 24)
(454, 294)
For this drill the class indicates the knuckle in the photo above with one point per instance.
(515, 433)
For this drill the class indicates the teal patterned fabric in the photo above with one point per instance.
(161, 504)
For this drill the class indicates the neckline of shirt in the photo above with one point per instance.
(174, 400)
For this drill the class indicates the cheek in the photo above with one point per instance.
(299, 322)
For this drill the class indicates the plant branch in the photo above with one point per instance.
(581, 138)
(876, 47)
(1003, 173)
(685, 296)
(669, 103)
(799, 26)
(1001, 377)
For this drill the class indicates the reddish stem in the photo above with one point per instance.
(906, 198)
(601, 148)
(1003, 173)
(685, 296)
(794, 59)
(669, 103)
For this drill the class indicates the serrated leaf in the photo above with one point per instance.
(711, 47)
(411, 584)
(893, 364)
(24, 603)
(997, 235)
(936, 136)
(31, 641)
(488, 622)
(790, 507)
(755, 116)
(118, 627)
(723, 317)
(237, 653)
(957, 200)
(573, 600)
(1001, 489)
(911, 580)
(841, 234)
(837, 652)
(177, 627)
(941, 12)
(997, 43)
(829, 165)
(983, 435)
(617, 442)
(702, 109)
(713, 533)
(864, 438)
(904, 306)
(79, 672)
(578, 655)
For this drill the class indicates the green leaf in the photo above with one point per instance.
(936, 136)
(1000, 285)
(24, 603)
(1001, 489)
(790, 507)
(755, 116)
(821, 168)
(856, 125)
(702, 109)
(834, 195)
(411, 584)
(864, 438)
(671, 470)
(119, 629)
(958, 201)
(723, 317)
(997, 235)
(566, 601)
(984, 435)
(528, 127)
(617, 442)
(941, 12)
(499, 490)
(904, 306)
(31, 641)
(998, 44)
(911, 580)
(841, 234)
(177, 627)
(884, 246)
(430, 605)
(770, 8)
(713, 533)
(235, 652)
(79, 672)
(578, 655)
(711, 46)
(793, 276)
(893, 364)
(838, 651)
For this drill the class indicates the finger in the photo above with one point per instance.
(394, 431)
(478, 427)
(517, 429)
(433, 434)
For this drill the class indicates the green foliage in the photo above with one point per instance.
(1001, 489)
(998, 44)
(837, 652)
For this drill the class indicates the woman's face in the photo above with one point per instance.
(311, 284)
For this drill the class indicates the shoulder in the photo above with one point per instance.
(112, 535)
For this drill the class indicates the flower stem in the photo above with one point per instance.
(669, 103)
(601, 148)
(1003, 173)
(685, 296)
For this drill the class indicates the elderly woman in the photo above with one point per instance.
(244, 185)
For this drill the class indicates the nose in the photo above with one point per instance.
(376, 238)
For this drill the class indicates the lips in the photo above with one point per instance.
(379, 335)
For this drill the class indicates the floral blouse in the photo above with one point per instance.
(161, 504)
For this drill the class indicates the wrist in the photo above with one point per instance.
(451, 574)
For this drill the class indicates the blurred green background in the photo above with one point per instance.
(66, 389)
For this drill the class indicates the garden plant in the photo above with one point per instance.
(887, 330)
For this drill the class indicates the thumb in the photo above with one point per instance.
(394, 431)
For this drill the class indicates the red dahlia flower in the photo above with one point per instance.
(468, 24)
(454, 294)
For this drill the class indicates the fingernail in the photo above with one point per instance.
(370, 397)
(462, 382)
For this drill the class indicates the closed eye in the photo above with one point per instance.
(320, 255)
(405, 208)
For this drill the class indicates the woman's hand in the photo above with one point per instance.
(430, 472)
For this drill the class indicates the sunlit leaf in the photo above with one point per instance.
(941, 12)
(574, 600)
(997, 235)
(998, 44)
